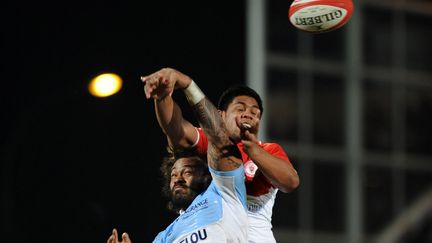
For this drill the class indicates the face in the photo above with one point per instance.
(242, 110)
(187, 181)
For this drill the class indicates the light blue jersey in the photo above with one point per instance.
(217, 215)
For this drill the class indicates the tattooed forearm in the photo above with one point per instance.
(227, 156)
(222, 152)
(211, 121)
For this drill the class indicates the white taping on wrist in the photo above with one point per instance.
(193, 93)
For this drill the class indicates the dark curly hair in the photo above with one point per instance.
(166, 167)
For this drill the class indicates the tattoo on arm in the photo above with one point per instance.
(221, 148)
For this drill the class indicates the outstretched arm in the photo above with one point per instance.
(180, 132)
(222, 153)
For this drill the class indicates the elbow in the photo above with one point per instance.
(290, 184)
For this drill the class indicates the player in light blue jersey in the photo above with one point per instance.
(217, 213)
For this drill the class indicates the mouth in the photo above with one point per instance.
(246, 126)
(177, 189)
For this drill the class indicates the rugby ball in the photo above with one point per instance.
(318, 16)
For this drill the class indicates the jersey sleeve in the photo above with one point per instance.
(276, 150)
(201, 143)
(231, 184)
(259, 184)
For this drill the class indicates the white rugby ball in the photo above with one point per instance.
(317, 16)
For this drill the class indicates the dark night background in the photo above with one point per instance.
(73, 166)
(356, 101)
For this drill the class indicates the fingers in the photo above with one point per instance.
(110, 239)
(151, 83)
(115, 236)
(158, 87)
(248, 137)
(126, 238)
(144, 79)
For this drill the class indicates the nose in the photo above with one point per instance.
(247, 115)
(179, 180)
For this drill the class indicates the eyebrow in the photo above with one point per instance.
(187, 166)
(242, 103)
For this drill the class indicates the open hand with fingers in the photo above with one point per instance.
(163, 82)
(114, 238)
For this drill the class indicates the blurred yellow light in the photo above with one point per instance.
(105, 85)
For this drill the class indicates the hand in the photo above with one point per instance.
(163, 82)
(114, 238)
(249, 140)
(249, 123)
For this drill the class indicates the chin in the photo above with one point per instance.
(179, 195)
(181, 201)
(235, 136)
(235, 139)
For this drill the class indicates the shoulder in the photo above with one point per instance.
(161, 236)
(271, 146)
(275, 149)
(238, 172)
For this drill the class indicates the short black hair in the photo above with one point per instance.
(238, 90)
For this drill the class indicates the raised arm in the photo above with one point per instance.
(180, 133)
(222, 153)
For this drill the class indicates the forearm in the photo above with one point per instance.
(180, 133)
(211, 122)
(222, 152)
(280, 172)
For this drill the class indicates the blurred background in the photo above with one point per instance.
(352, 108)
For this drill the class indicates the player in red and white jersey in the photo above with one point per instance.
(261, 193)
(267, 167)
